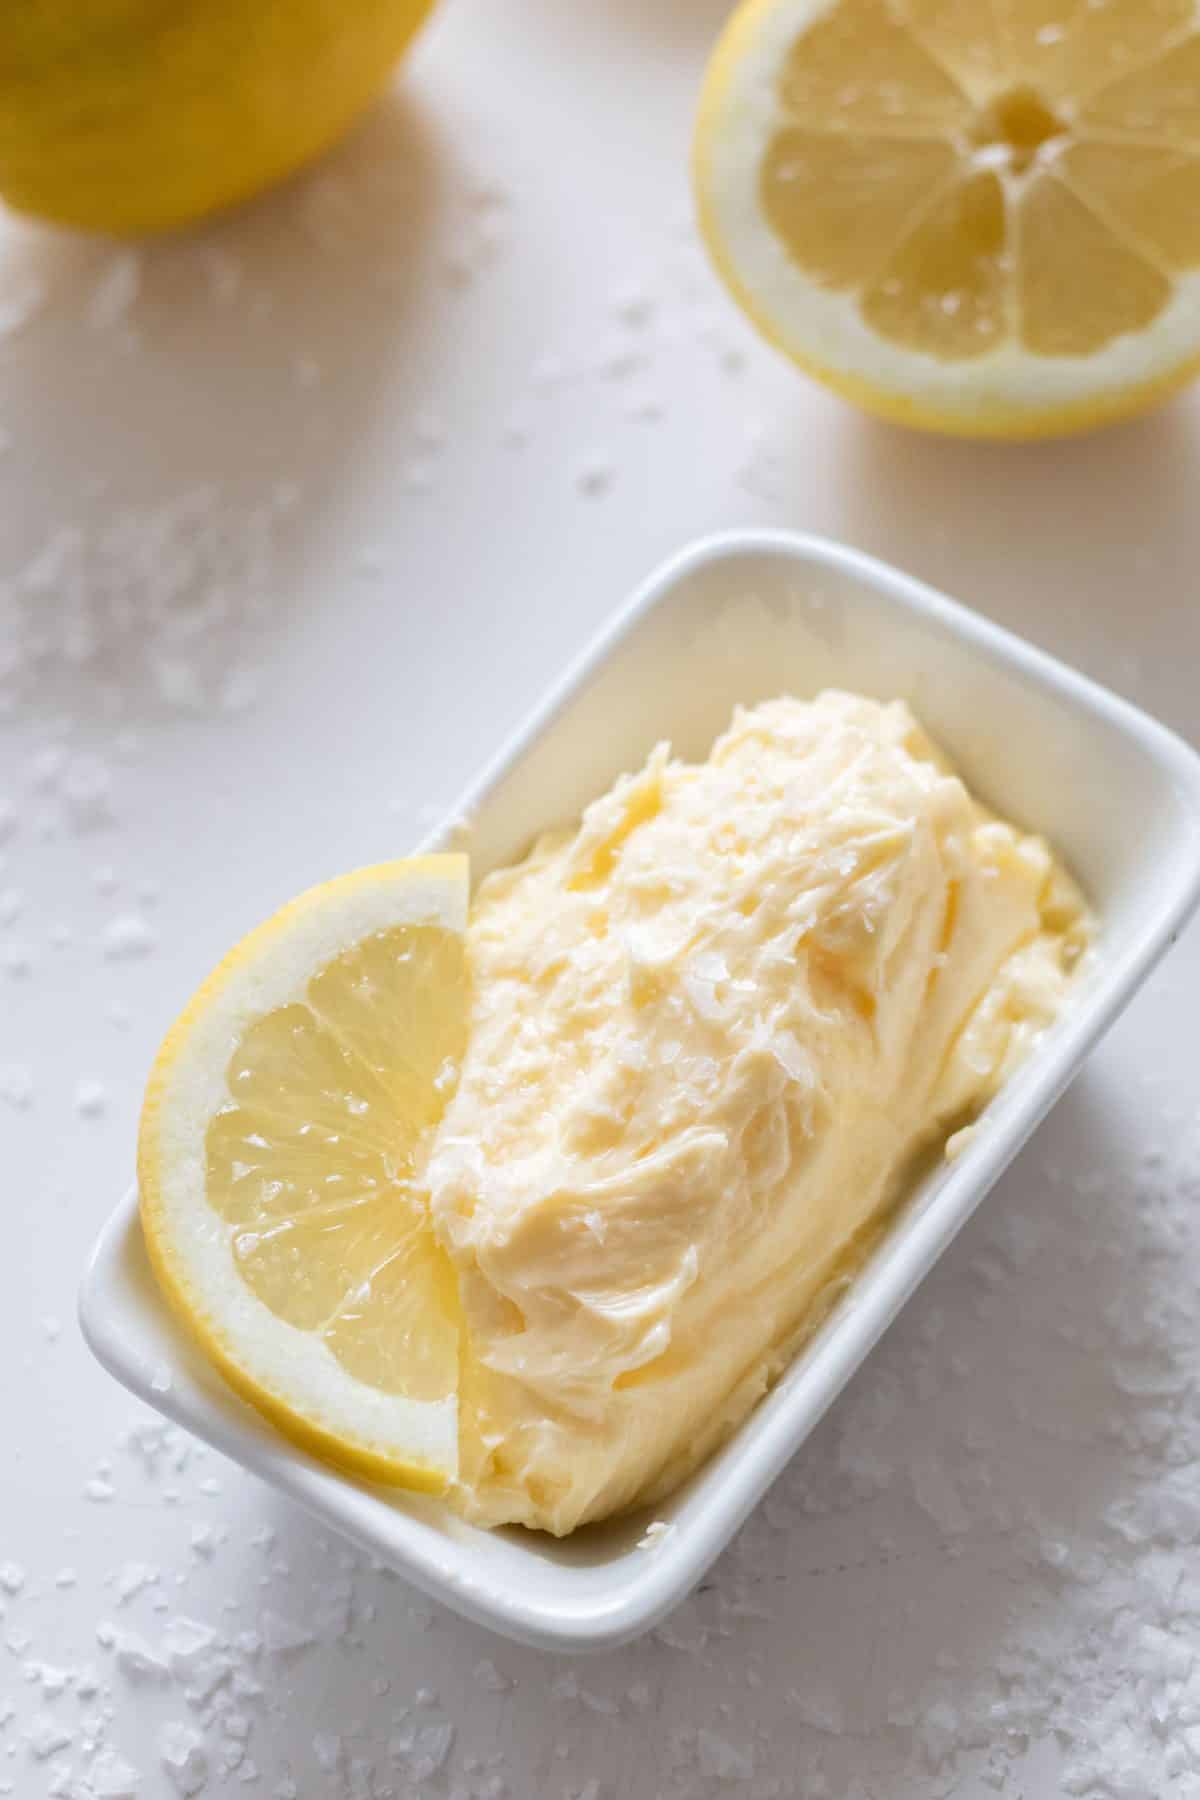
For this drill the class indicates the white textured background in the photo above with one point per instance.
(296, 518)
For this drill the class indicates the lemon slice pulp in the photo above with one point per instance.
(276, 1157)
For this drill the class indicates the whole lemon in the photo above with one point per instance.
(138, 115)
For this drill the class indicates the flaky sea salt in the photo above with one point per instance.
(16, 1085)
(127, 937)
(115, 291)
(716, 1756)
(183, 1754)
(46, 1735)
(112, 1778)
(654, 1535)
(284, 1637)
(329, 1750)
(132, 1578)
(91, 1098)
(488, 1676)
(135, 1658)
(421, 1751)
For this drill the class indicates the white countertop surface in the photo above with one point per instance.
(297, 516)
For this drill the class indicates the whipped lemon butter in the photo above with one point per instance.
(711, 1027)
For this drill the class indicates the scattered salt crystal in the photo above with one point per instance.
(329, 1751)
(136, 1659)
(195, 1657)
(488, 1676)
(202, 1540)
(182, 1751)
(21, 299)
(160, 1380)
(937, 1732)
(425, 1696)
(126, 937)
(283, 1637)
(11, 902)
(716, 1756)
(936, 1494)
(421, 1750)
(46, 1735)
(91, 1098)
(132, 1579)
(53, 1680)
(66, 1578)
(116, 291)
(16, 959)
(16, 1085)
(87, 1681)
(819, 1708)
(12, 1577)
(682, 1633)
(112, 1778)
(98, 1488)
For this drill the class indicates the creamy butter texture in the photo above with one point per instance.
(711, 1028)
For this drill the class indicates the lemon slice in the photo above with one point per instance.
(979, 216)
(275, 1162)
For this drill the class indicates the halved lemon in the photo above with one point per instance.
(276, 1154)
(978, 216)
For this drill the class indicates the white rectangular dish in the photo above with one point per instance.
(738, 619)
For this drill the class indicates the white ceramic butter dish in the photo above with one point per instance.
(741, 618)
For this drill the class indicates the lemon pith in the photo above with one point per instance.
(274, 1162)
(142, 115)
(977, 219)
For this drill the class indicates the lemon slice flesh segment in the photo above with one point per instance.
(974, 215)
(275, 1161)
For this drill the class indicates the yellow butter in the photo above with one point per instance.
(711, 1027)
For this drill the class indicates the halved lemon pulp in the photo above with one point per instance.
(980, 215)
